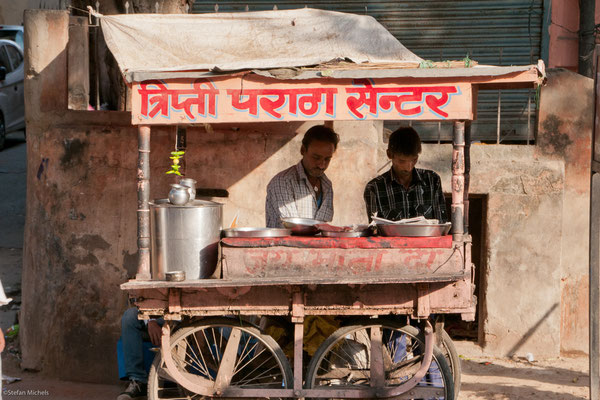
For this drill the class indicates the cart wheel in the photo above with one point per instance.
(344, 360)
(451, 355)
(199, 351)
(162, 386)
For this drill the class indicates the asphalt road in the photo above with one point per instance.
(13, 179)
(13, 169)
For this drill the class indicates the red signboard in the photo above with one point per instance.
(239, 99)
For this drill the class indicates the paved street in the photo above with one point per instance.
(12, 221)
(12, 196)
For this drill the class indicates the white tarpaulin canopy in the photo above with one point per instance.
(249, 40)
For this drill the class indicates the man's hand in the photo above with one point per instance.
(155, 332)
(2, 342)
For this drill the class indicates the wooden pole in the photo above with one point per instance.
(467, 174)
(458, 180)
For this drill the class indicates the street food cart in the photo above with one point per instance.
(386, 288)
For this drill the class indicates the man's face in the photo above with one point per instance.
(316, 157)
(402, 164)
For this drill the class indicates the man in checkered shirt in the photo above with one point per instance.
(303, 190)
(405, 191)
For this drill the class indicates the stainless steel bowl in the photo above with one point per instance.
(302, 226)
(413, 229)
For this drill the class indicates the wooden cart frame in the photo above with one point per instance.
(416, 293)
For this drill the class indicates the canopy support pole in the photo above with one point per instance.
(458, 180)
(143, 211)
(467, 174)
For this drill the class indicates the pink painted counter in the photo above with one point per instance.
(315, 257)
(372, 242)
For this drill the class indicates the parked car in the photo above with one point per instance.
(12, 32)
(12, 102)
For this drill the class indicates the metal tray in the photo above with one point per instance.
(302, 226)
(413, 229)
(256, 232)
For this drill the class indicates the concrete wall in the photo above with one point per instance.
(535, 271)
(521, 311)
(564, 134)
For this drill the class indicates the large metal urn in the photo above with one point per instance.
(185, 238)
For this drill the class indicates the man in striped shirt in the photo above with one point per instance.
(303, 190)
(405, 191)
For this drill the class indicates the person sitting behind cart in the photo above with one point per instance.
(133, 333)
(405, 191)
(303, 190)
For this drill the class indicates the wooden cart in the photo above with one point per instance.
(376, 283)
(384, 290)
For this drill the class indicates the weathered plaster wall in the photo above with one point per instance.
(73, 261)
(537, 225)
(564, 133)
(80, 234)
(524, 193)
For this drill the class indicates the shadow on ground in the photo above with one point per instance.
(508, 379)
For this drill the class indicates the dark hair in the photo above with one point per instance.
(321, 133)
(405, 141)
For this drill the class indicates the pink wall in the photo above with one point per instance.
(564, 39)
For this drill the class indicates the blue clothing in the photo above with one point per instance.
(133, 331)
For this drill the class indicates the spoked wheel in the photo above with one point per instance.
(451, 355)
(344, 360)
(162, 386)
(216, 354)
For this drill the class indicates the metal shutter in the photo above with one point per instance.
(506, 32)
